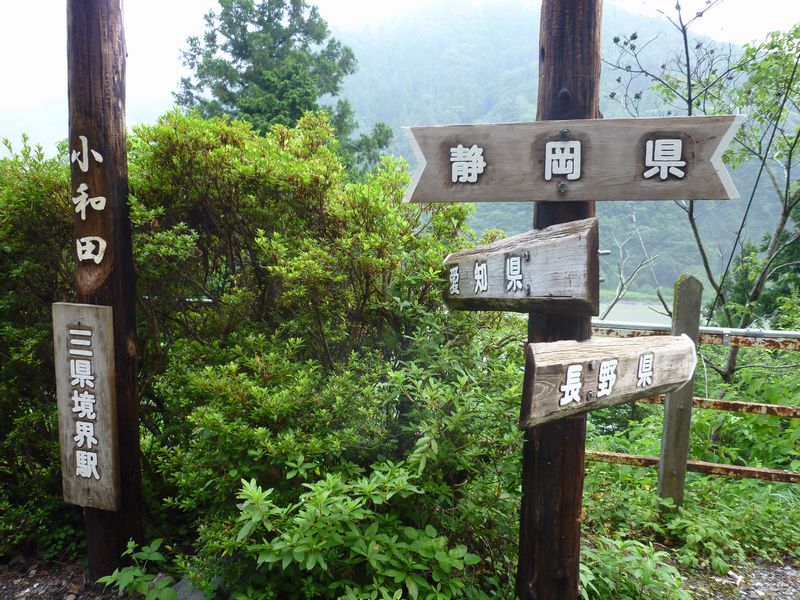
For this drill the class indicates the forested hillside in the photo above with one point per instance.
(452, 63)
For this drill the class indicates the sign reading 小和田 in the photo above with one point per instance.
(85, 391)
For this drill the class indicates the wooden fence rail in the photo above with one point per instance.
(636, 460)
(768, 339)
(755, 408)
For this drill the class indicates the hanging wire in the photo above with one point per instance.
(753, 193)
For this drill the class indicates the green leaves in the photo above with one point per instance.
(265, 61)
(137, 579)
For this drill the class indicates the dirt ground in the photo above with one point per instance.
(48, 580)
(59, 581)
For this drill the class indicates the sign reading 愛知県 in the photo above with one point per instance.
(548, 270)
(672, 158)
(84, 359)
(568, 377)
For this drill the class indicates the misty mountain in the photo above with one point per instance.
(454, 63)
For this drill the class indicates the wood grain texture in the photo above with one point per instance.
(686, 308)
(559, 269)
(674, 360)
(612, 160)
(96, 77)
(553, 453)
(101, 492)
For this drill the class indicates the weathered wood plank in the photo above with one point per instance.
(552, 270)
(678, 405)
(613, 159)
(568, 377)
(697, 466)
(83, 335)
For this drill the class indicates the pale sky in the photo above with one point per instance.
(33, 67)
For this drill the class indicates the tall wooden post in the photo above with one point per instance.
(678, 404)
(104, 274)
(553, 455)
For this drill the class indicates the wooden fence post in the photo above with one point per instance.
(553, 454)
(678, 404)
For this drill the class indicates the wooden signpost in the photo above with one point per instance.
(568, 378)
(564, 162)
(104, 277)
(552, 270)
(671, 158)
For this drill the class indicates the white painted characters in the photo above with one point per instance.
(83, 405)
(562, 158)
(82, 156)
(86, 464)
(91, 248)
(79, 342)
(481, 277)
(664, 157)
(82, 200)
(571, 390)
(80, 370)
(454, 289)
(513, 273)
(84, 434)
(644, 374)
(467, 163)
(607, 377)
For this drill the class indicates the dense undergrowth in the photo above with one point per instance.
(315, 423)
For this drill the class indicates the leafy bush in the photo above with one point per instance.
(36, 265)
(628, 570)
(135, 580)
(315, 423)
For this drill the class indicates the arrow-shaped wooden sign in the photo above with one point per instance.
(672, 158)
(568, 377)
(551, 270)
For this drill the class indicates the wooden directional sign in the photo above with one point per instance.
(672, 158)
(549, 270)
(568, 377)
(87, 411)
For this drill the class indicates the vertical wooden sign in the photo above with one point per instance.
(102, 245)
(83, 336)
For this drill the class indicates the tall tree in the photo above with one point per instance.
(265, 61)
(761, 82)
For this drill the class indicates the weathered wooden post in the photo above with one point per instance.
(105, 277)
(678, 404)
(552, 271)
(553, 454)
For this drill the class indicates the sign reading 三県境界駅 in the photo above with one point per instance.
(569, 377)
(671, 158)
(85, 391)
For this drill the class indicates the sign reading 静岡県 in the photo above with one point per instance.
(672, 158)
(85, 390)
(568, 377)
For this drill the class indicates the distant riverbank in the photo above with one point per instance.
(636, 312)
